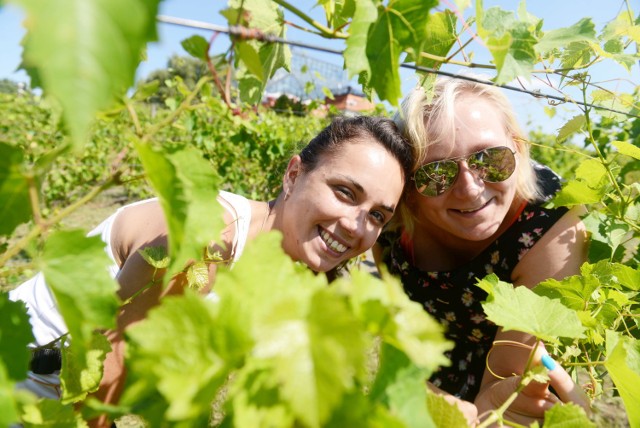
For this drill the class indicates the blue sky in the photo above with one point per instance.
(555, 14)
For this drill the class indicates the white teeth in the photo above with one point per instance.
(332, 243)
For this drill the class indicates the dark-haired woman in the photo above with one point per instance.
(333, 207)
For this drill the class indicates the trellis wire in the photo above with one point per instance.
(254, 34)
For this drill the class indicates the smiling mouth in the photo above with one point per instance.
(332, 243)
(472, 210)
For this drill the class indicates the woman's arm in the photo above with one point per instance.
(558, 254)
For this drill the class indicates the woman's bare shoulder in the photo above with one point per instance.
(559, 253)
(138, 226)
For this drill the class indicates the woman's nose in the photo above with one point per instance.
(468, 182)
(354, 222)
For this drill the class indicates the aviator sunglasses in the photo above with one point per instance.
(491, 165)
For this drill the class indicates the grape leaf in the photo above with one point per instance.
(186, 187)
(48, 412)
(82, 365)
(574, 125)
(338, 12)
(401, 386)
(440, 37)
(623, 364)
(387, 310)
(521, 309)
(196, 46)
(76, 269)
(307, 341)
(510, 41)
(581, 31)
(15, 206)
(178, 356)
(627, 149)
(574, 291)
(443, 413)
(265, 16)
(15, 336)
(312, 356)
(568, 415)
(590, 185)
(76, 62)
(401, 25)
(576, 55)
(155, 256)
(8, 410)
(355, 56)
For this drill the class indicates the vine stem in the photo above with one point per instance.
(44, 225)
(174, 114)
(325, 31)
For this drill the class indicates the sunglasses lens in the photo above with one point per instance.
(435, 178)
(493, 165)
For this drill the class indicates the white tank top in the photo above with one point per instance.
(45, 318)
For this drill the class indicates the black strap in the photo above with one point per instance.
(46, 360)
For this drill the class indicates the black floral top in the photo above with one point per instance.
(453, 299)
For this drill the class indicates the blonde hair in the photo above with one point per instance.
(429, 119)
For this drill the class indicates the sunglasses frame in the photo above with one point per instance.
(457, 160)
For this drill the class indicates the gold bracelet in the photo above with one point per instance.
(504, 343)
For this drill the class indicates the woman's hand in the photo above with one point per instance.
(467, 408)
(535, 398)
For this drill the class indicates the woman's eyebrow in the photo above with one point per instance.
(359, 187)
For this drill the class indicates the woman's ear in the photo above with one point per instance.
(294, 169)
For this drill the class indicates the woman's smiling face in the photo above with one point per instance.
(471, 209)
(337, 210)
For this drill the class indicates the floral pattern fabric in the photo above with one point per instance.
(454, 300)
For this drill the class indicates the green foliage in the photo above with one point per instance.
(188, 70)
(77, 66)
(15, 335)
(281, 346)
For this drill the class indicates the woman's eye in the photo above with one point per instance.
(378, 216)
(345, 192)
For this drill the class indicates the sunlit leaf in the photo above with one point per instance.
(355, 56)
(386, 309)
(521, 309)
(158, 257)
(443, 413)
(582, 31)
(180, 352)
(402, 387)
(15, 206)
(627, 149)
(8, 405)
(82, 365)
(53, 413)
(400, 26)
(196, 46)
(567, 416)
(76, 269)
(574, 125)
(440, 36)
(267, 17)
(198, 275)
(90, 60)
(186, 187)
(511, 41)
(251, 60)
(577, 54)
(623, 364)
(15, 335)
